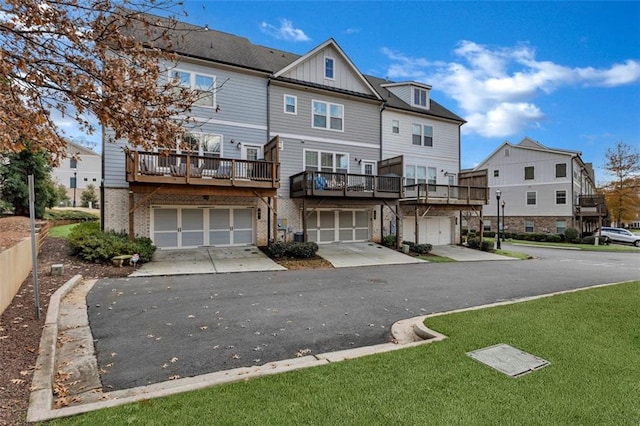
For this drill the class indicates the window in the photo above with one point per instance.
(395, 126)
(290, 104)
(496, 173)
(561, 226)
(506, 152)
(561, 197)
(420, 97)
(73, 163)
(415, 174)
(432, 175)
(204, 144)
(421, 135)
(528, 226)
(531, 198)
(86, 179)
(326, 161)
(328, 68)
(72, 182)
(528, 173)
(334, 119)
(486, 225)
(94, 179)
(203, 85)
(561, 170)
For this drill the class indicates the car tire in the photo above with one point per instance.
(636, 243)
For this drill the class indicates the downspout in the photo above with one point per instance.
(269, 210)
(102, 184)
(573, 198)
(458, 183)
(381, 151)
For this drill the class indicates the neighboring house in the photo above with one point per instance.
(79, 168)
(542, 190)
(291, 148)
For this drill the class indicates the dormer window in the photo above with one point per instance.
(328, 68)
(420, 97)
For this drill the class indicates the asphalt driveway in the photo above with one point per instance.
(149, 330)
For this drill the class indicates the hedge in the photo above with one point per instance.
(88, 242)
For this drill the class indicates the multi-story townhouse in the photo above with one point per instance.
(79, 168)
(286, 147)
(421, 142)
(541, 190)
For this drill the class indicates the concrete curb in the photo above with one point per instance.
(41, 398)
(406, 333)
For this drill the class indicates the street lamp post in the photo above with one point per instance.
(498, 193)
(75, 185)
(503, 216)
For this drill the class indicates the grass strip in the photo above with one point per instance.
(591, 338)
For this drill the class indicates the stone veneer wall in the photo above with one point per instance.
(516, 223)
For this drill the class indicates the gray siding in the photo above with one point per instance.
(242, 117)
(312, 70)
(403, 92)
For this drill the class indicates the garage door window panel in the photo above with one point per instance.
(165, 224)
(192, 227)
(219, 227)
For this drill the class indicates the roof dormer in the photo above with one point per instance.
(413, 93)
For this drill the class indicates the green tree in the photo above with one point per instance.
(622, 194)
(61, 195)
(89, 196)
(14, 182)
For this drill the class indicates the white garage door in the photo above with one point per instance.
(328, 226)
(182, 227)
(436, 231)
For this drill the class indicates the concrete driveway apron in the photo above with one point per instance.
(344, 255)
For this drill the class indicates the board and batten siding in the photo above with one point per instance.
(444, 154)
(312, 70)
(242, 117)
(402, 91)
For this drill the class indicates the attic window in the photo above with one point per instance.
(420, 97)
(506, 152)
(328, 68)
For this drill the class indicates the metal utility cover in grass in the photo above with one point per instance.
(509, 360)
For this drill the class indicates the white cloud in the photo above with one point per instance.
(285, 31)
(496, 86)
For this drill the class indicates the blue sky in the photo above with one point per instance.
(566, 74)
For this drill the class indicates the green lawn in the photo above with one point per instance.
(61, 231)
(591, 338)
(586, 247)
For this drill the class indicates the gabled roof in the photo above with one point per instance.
(74, 148)
(533, 145)
(331, 42)
(393, 101)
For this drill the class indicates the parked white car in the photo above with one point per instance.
(620, 235)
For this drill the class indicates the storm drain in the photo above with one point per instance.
(508, 360)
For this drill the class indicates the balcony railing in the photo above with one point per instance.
(446, 194)
(188, 169)
(328, 184)
(591, 205)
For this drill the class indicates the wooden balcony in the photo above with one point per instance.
(455, 196)
(345, 185)
(591, 206)
(157, 168)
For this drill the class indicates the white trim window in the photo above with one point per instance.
(395, 127)
(415, 174)
(531, 198)
(203, 85)
(561, 226)
(206, 144)
(432, 176)
(329, 67)
(421, 134)
(529, 226)
(290, 104)
(420, 97)
(327, 116)
(323, 161)
(561, 196)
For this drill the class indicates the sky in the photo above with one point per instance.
(566, 74)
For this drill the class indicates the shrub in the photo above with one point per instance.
(571, 234)
(486, 246)
(88, 242)
(488, 234)
(554, 238)
(422, 248)
(473, 242)
(69, 215)
(389, 240)
(292, 249)
(591, 239)
(411, 244)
